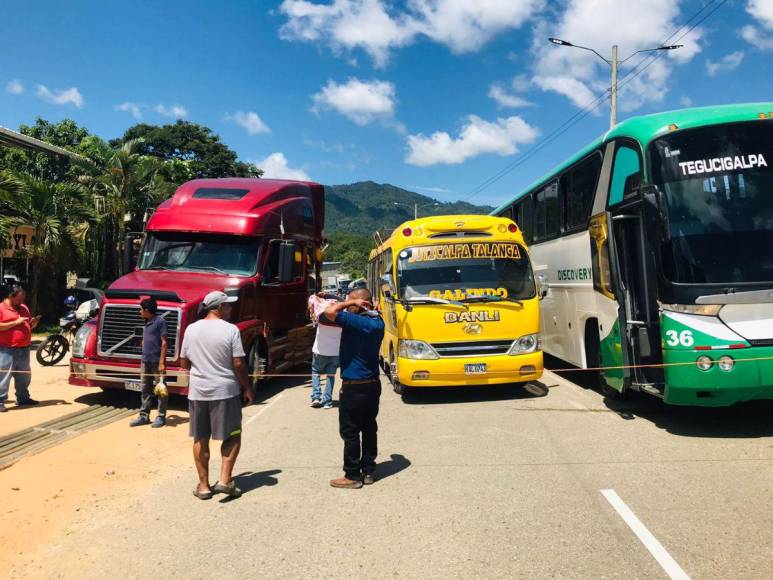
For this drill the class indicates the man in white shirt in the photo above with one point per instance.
(213, 353)
(324, 361)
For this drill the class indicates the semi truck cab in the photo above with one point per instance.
(258, 239)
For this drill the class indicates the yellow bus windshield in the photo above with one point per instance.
(459, 271)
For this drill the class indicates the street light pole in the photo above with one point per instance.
(613, 93)
(614, 64)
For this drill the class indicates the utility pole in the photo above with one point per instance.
(614, 64)
(613, 92)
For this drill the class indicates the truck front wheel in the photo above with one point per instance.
(258, 364)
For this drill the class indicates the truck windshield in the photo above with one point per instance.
(219, 254)
(718, 192)
(463, 270)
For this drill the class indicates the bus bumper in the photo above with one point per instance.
(89, 373)
(750, 379)
(450, 372)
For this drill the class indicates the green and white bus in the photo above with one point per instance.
(655, 248)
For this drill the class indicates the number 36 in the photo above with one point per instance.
(684, 338)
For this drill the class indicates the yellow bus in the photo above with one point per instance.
(460, 303)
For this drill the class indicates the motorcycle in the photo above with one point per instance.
(54, 348)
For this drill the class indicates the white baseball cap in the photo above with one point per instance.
(216, 298)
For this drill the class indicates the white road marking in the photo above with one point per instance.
(264, 409)
(645, 536)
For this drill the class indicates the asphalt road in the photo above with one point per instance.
(473, 483)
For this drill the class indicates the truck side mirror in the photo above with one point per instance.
(388, 286)
(542, 286)
(286, 262)
(130, 251)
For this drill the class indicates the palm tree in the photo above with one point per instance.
(58, 213)
(129, 184)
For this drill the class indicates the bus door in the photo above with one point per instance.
(634, 275)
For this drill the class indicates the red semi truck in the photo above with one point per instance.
(259, 239)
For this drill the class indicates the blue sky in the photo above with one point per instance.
(432, 95)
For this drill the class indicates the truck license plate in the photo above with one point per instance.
(132, 386)
(475, 369)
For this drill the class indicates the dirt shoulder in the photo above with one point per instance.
(45, 492)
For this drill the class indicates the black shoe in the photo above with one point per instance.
(27, 403)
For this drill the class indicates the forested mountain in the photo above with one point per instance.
(364, 207)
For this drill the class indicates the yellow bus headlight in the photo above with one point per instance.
(524, 345)
(417, 350)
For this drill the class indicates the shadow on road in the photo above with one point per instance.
(741, 421)
(475, 394)
(251, 480)
(48, 403)
(395, 465)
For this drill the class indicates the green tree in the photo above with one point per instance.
(66, 134)
(126, 185)
(351, 250)
(204, 154)
(58, 212)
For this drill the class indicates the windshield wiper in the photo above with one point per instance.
(482, 298)
(207, 269)
(491, 298)
(431, 300)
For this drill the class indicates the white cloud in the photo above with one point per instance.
(429, 189)
(634, 25)
(376, 27)
(727, 63)
(70, 96)
(760, 35)
(174, 111)
(14, 87)
(359, 101)
(505, 99)
(275, 167)
(686, 102)
(476, 137)
(251, 122)
(129, 107)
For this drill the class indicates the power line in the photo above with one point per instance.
(588, 109)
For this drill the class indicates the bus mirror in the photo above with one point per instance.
(542, 286)
(388, 285)
(286, 262)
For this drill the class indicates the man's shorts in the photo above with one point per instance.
(215, 419)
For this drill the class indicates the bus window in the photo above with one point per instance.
(546, 212)
(625, 174)
(522, 216)
(578, 188)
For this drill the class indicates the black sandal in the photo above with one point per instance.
(230, 490)
(203, 494)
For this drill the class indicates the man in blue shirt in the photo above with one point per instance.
(361, 335)
(154, 346)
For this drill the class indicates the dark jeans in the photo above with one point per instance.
(357, 415)
(149, 379)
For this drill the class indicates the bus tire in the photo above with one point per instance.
(258, 364)
(397, 387)
(593, 360)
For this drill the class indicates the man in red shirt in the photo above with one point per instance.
(16, 326)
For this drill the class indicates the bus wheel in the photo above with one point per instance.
(396, 386)
(258, 364)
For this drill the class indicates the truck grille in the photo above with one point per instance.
(472, 347)
(120, 332)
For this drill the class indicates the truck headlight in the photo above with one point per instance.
(524, 345)
(416, 349)
(80, 340)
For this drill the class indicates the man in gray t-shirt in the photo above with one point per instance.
(212, 350)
